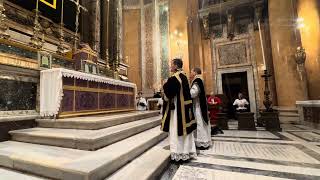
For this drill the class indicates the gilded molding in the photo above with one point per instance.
(18, 61)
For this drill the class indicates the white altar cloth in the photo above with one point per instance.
(51, 87)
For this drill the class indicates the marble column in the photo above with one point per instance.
(309, 11)
(112, 45)
(90, 28)
(194, 36)
(119, 31)
(289, 86)
(104, 28)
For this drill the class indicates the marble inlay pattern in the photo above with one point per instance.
(249, 134)
(164, 40)
(148, 17)
(308, 136)
(17, 95)
(256, 155)
(261, 151)
(131, 2)
(147, 1)
(231, 54)
(18, 51)
(195, 173)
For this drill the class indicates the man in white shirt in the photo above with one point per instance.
(141, 102)
(241, 103)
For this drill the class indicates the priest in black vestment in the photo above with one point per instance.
(178, 118)
(200, 108)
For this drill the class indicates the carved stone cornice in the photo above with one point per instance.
(224, 6)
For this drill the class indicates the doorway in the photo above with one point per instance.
(232, 85)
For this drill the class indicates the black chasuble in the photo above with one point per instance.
(202, 98)
(178, 86)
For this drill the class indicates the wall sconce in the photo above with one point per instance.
(300, 55)
(300, 23)
(177, 35)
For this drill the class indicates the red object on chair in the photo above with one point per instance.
(214, 109)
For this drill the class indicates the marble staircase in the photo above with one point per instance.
(113, 146)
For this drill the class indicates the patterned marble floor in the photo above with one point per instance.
(293, 153)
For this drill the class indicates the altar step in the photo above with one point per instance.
(70, 164)
(7, 174)
(288, 115)
(150, 165)
(84, 139)
(96, 122)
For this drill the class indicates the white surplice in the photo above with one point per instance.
(203, 132)
(143, 101)
(181, 147)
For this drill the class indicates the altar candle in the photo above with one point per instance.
(262, 48)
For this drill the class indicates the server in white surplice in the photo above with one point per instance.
(178, 118)
(200, 109)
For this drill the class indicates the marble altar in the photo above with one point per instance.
(309, 112)
(66, 93)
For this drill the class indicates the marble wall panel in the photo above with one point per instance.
(132, 44)
(148, 46)
(164, 40)
(231, 54)
(17, 95)
(309, 10)
(147, 1)
(131, 2)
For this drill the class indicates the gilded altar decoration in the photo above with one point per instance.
(50, 3)
(86, 59)
(36, 41)
(45, 60)
(3, 27)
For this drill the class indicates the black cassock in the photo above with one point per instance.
(178, 86)
(202, 98)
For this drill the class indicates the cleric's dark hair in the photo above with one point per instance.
(178, 62)
(197, 70)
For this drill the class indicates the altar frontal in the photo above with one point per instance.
(65, 93)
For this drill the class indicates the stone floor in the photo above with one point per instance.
(293, 153)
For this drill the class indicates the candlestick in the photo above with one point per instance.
(60, 48)
(36, 42)
(262, 47)
(3, 27)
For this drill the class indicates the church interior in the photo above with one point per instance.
(71, 72)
